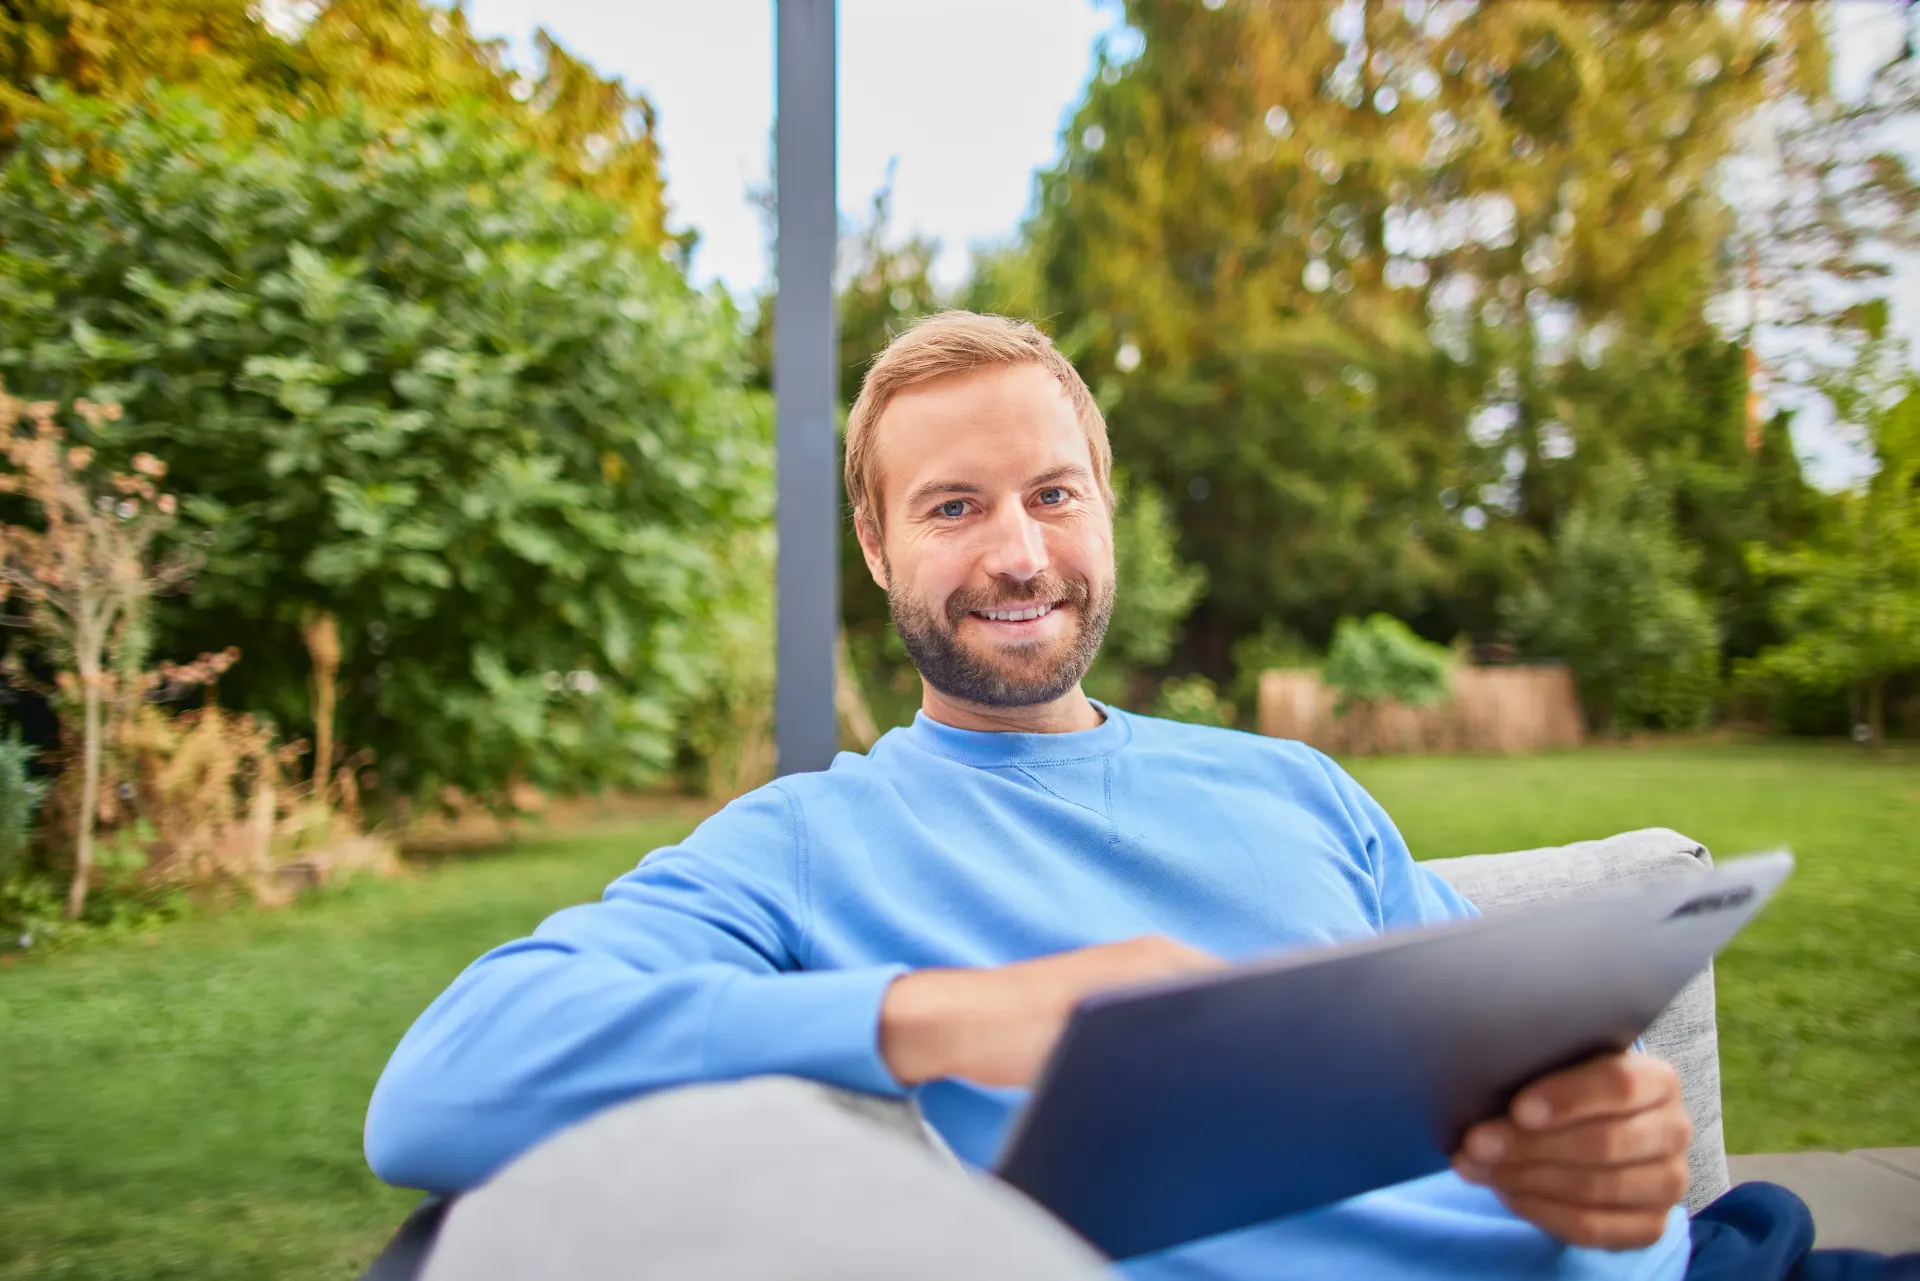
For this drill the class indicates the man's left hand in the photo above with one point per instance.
(1595, 1155)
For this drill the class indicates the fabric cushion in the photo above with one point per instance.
(774, 1179)
(1685, 1034)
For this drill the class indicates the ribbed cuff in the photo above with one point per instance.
(820, 1024)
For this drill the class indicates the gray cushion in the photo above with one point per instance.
(1685, 1035)
(772, 1179)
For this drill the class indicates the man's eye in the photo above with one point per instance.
(1053, 495)
(953, 508)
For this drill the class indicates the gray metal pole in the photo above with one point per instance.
(805, 367)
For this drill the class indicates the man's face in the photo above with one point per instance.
(997, 548)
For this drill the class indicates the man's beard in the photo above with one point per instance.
(962, 673)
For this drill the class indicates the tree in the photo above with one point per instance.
(107, 49)
(388, 57)
(411, 380)
(1825, 201)
(1331, 264)
(1618, 604)
(1851, 605)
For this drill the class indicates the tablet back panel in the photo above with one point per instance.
(1207, 1104)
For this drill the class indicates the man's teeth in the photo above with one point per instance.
(1016, 615)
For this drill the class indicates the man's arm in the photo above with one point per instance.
(684, 972)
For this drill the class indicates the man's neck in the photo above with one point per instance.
(1071, 711)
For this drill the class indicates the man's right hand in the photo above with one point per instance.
(997, 1026)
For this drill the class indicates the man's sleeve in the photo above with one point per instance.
(1409, 893)
(685, 971)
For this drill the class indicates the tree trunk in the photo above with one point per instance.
(321, 631)
(89, 784)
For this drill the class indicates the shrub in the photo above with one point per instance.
(1193, 699)
(1382, 660)
(413, 381)
(84, 572)
(729, 724)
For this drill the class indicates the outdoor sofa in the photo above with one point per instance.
(783, 1180)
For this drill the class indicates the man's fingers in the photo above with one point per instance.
(1596, 1227)
(1650, 1185)
(1609, 1141)
(1610, 1085)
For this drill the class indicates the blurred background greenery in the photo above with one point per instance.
(1429, 335)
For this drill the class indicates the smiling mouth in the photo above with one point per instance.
(1018, 613)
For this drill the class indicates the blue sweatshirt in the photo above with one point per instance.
(764, 942)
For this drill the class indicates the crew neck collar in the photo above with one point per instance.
(990, 748)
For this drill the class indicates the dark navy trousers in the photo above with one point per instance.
(1762, 1232)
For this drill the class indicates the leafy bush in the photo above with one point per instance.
(1381, 660)
(729, 726)
(1618, 605)
(1193, 699)
(410, 379)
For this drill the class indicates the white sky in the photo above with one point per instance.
(965, 97)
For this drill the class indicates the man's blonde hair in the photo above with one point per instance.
(959, 342)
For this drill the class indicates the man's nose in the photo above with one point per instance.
(1018, 548)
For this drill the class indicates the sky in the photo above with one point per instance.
(964, 98)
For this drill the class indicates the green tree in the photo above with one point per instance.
(1331, 264)
(1850, 609)
(388, 57)
(411, 379)
(109, 49)
(1618, 604)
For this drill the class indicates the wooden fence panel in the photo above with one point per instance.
(1509, 710)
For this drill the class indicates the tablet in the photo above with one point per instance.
(1206, 1103)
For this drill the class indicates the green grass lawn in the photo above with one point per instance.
(190, 1106)
(1819, 999)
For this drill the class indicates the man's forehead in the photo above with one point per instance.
(993, 420)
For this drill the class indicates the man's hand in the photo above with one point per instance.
(997, 1026)
(1595, 1155)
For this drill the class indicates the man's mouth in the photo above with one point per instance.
(1016, 613)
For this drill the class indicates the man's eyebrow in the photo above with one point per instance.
(1070, 471)
(934, 488)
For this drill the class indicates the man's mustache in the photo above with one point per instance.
(1047, 588)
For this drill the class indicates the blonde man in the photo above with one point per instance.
(922, 918)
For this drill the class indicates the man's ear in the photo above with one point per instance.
(871, 549)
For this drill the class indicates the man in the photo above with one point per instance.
(924, 917)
